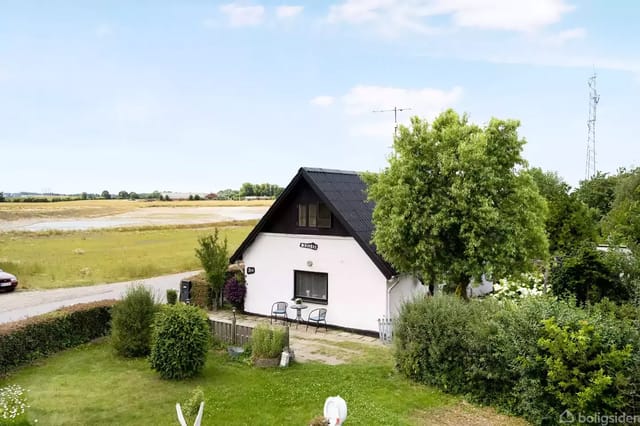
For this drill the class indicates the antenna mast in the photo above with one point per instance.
(395, 115)
(594, 98)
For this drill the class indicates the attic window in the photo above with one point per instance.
(314, 215)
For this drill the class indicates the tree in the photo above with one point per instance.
(2, 199)
(84, 196)
(586, 275)
(569, 221)
(455, 202)
(123, 195)
(214, 257)
(599, 192)
(246, 190)
(622, 223)
(106, 195)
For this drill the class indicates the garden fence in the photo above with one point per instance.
(385, 326)
(230, 333)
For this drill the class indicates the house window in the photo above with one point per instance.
(302, 215)
(311, 286)
(314, 215)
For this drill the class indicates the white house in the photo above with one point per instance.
(314, 244)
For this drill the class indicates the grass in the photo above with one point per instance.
(91, 385)
(44, 260)
(101, 208)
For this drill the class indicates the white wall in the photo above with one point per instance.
(401, 290)
(356, 287)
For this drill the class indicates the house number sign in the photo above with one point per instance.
(312, 246)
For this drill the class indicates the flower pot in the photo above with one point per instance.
(266, 362)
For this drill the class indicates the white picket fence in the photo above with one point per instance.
(385, 326)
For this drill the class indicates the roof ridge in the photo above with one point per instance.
(333, 171)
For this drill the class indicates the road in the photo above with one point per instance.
(22, 304)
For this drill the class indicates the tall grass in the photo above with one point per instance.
(66, 259)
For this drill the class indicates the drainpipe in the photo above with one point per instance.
(395, 278)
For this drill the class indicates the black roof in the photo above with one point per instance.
(344, 193)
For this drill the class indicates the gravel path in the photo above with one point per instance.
(21, 304)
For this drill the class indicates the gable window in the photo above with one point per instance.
(311, 286)
(314, 215)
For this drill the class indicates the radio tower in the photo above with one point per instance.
(594, 98)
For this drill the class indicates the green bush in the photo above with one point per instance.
(535, 358)
(27, 340)
(180, 341)
(267, 342)
(131, 322)
(589, 275)
(172, 296)
(437, 340)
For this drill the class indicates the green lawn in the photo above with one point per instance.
(91, 385)
(65, 259)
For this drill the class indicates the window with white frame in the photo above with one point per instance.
(311, 286)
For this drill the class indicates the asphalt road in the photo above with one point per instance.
(22, 304)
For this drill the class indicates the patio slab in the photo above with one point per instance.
(326, 346)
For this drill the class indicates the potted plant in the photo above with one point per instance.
(267, 345)
(298, 301)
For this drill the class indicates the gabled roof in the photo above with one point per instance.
(344, 193)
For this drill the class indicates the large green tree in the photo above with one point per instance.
(598, 192)
(455, 202)
(569, 221)
(622, 223)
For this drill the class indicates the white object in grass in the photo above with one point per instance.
(181, 419)
(335, 410)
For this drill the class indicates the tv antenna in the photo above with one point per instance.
(395, 111)
(594, 98)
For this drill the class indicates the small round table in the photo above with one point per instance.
(298, 307)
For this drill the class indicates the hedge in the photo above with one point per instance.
(536, 358)
(27, 340)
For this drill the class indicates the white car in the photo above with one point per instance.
(8, 282)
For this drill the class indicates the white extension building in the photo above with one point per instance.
(314, 244)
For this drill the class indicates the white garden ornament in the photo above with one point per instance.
(335, 410)
(181, 419)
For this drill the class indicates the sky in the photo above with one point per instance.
(198, 96)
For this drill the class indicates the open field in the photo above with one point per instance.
(43, 260)
(91, 385)
(102, 208)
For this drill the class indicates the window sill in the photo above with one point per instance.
(314, 301)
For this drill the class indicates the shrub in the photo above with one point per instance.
(267, 342)
(131, 322)
(587, 275)
(35, 337)
(584, 374)
(172, 296)
(437, 339)
(535, 358)
(180, 341)
(235, 290)
(214, 258)
(200, 291)
(192, 405)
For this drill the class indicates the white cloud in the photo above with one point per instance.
(392, 16)
(562, 37)
(360, 102)
(243, 16)
(283, 12)
(323, 101)
(103, 30)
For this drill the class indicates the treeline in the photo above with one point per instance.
(262, 190)
(251, 190)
